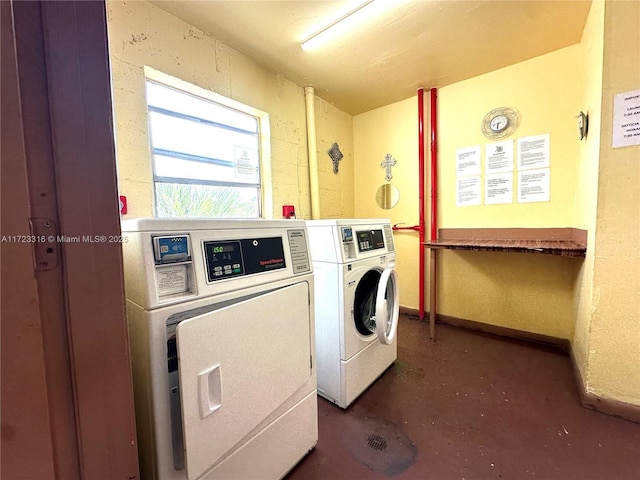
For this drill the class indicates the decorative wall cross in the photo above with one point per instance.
(389, 162)
(336, 156)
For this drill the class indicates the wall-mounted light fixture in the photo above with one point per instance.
(355, 13)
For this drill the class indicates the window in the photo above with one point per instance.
(205, 156)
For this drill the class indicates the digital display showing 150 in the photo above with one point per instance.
(223, 248)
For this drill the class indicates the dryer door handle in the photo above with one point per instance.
(209, 391)
(387, 307)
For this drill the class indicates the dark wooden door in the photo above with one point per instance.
(67, 401)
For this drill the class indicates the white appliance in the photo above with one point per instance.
(221, 326)
(357, 304)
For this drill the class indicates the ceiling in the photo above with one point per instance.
(411, 44)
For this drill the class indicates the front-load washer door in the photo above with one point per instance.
(387, 306)
(237, 365)
(376, 305)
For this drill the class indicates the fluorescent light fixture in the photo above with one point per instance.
(345, 20)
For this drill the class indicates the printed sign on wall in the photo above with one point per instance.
(533, 185)
(626, 119)
(498, 189)
(499, 157)
(533, 152)
(468, 191)
(468, 161)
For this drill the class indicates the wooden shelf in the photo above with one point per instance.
(566, 242)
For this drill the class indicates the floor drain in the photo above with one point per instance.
(381, 446)
(376, 442)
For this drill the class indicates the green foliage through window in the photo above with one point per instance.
(184, 200)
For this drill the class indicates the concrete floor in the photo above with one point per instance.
(471, 406)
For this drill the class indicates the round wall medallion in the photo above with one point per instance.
(500, 123)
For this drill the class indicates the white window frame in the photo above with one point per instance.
(264, 132)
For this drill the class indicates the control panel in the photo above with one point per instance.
(176, 260)
(227, 259)
(370, 240)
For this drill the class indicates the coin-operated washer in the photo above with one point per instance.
(357, 304)
(221, 324)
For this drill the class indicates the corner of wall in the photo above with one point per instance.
(606, 295)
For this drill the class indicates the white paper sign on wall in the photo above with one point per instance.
(626, 119)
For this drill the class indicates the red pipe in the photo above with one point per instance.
(434, 165)
(434, 209)
(414, 227)
(421, 228)
(421, 189)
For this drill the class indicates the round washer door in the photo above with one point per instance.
(387, 306)
(376, 304)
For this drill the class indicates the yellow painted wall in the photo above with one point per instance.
(335, 189)
(592, 44)
(613, 365)
(526, 292)
(140, 34)
(391, 129)
(547, 93)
